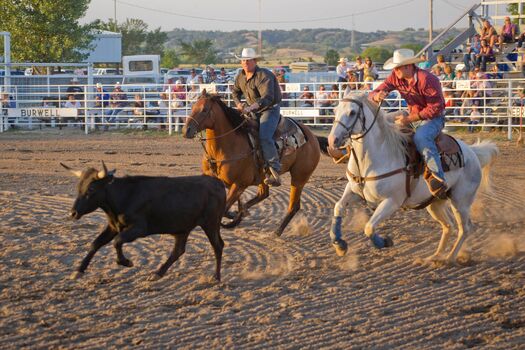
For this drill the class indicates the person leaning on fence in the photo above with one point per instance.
(426, 104)
(75, 89)
(322, 101)
(307, 97)
(117, 103)
(261, 90)
(369, 70)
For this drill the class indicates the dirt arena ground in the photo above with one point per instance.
(291, 292)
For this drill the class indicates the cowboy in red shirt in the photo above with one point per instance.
(426, 105)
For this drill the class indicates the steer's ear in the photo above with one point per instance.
(104, 172)
(77, 173)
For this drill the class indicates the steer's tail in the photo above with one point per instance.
(323, 144)
(486, 151)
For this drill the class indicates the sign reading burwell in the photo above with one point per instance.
(42, 112)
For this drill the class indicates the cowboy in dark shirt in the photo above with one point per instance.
(263, 95)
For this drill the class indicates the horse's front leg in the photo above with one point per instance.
(336, 235)
(383, 211)
(263, 191)
(234, 194)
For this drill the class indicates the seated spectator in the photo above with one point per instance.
(450, 103)
(334, 96)
(307, 97)
(72, 102)
(367, 84)
(358, 68)
(485, 55)
(424, 64)
(117, 103)
(75, 89)
(440, 62)
(369, 70)
(351, 78)
(488, 33)
(448, 77)
(495, 73)
(141, 109)
(341, 69)
(281, 79)
(508, 33)
(6, 101)
(322, 100)
(438, 72)
(473, 52)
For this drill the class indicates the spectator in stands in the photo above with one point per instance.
(72, 102)
(334, 97)
(424, 64)
(450, 103)
(495, 73)
(369, 70)
(144, 109)
(488, 33)
(322, 100)
(222, 80)
(341, 69)
(440, 62)
(307, 98)
(193, 76)
(358, 68)
(508, 33)
(194, 93)
(281, 79)
(448, 77)
(438, 72)
(521, 39)
(200, 79)
(473, 52)
(6, 101)
(75, 89)
(102, 95)
(485, 55)
(117, 102)
(352, 80)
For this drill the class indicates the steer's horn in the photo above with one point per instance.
(102, 173)
(77, 173)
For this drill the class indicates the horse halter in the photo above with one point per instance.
(360, 116)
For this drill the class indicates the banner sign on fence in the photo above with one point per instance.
(462, 84)
(292, 87)
(517, 111)
(42, 112)
(208, 87)
(292, 112)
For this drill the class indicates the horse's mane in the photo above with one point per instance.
(394, 137)
(233, 115)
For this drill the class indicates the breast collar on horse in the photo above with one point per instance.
(361, 180)
(214, 163)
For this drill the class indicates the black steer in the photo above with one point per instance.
(139, 206)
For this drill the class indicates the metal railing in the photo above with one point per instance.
(480, 103)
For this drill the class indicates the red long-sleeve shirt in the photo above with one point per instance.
(424, 96)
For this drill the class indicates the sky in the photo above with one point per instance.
(229, 15)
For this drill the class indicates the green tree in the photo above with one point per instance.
(377, 54)
(47, 30)
(199, 51)
(136, 38)
(169, 58)
(513, 10)
(331, 57)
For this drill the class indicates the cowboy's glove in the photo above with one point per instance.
(253, 107)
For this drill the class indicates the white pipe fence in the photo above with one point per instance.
(480, 104)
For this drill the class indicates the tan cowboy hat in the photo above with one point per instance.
(248, 54)
(342, 59)
(401, 57)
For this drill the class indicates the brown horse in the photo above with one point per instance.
(229, 156)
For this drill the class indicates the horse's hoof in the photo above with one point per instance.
(380, 242)
(76, 275)
(230, 215)
(388, 242)
(278, 233)
(154, 277)
(125, 262)
(340, 247)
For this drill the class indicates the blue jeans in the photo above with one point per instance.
(267, 124)
(424, 138)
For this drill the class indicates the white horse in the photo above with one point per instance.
(376, 172)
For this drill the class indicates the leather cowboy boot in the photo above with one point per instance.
(438, 188)
(272, 178)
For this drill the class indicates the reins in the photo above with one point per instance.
(361, 180)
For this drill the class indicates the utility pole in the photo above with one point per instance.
(260, 31)
(352, 40)
(115, 15)
(430, 23)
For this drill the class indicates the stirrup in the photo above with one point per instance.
(273, 179)
(437, 187)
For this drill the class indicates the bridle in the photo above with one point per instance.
(214, 163)
(359, 117)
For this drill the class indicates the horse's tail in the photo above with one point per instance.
(323, 144)
(486, 151)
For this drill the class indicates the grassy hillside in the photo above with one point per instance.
(290, 45)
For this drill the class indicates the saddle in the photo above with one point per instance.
(449, 152)
(288, 136)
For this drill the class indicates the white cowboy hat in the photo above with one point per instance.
(401, 57)
(248, 54)
(343, 59)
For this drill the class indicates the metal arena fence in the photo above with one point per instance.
(472, 104)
